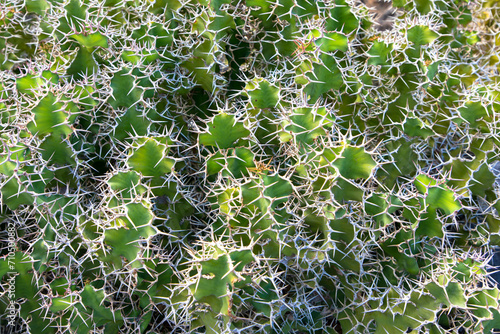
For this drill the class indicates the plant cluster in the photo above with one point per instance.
(249, 166)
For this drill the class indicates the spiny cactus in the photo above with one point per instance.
(249, 166)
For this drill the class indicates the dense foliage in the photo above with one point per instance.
(173, 166)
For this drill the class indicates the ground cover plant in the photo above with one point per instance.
(253, 166)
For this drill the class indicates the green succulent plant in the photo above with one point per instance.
(249, 166)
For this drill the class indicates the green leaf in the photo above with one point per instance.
(124, 242)
(91, 41)
(83, 65)
(37, 6)
(472, 37)
(341, 18)
(218, 275)
(423, 6)
(332, 42)
(131, 124)
(14, 194)
(404, 159)
(354, 163)
(50, 117)
(401, 316)
(241, 258)
(379, 53)
(429, 225)
(92, 300)
(223, 131)
(66, 208)
(317, 226)
(56, 151)
(216, 163)
(40, 180)
(252, 194)
(235, 165)
(29, 84)
(346, 191)
(482, 180)
(139, 215)
(421, 35)
(222, 22)
(131, 56)
(422, 182)
(491, 325)
(264, 95)
(451, 295)
(26, 286)
(432, 70)
(125, 92)
(127, 183)
(18, 152)
(415, 127)
(75, 14)
(443, 199)
(264, 296)
(404, 261)
(207, 319)
(277, 188)
(472, 111)
(308, 124)
(263, 5)
(166, 7)
(305, 8)
(150, 159)
(322, 79)
(197, 65)
(436, 195)
(63, 303)
(376, 206)
(482, 301)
